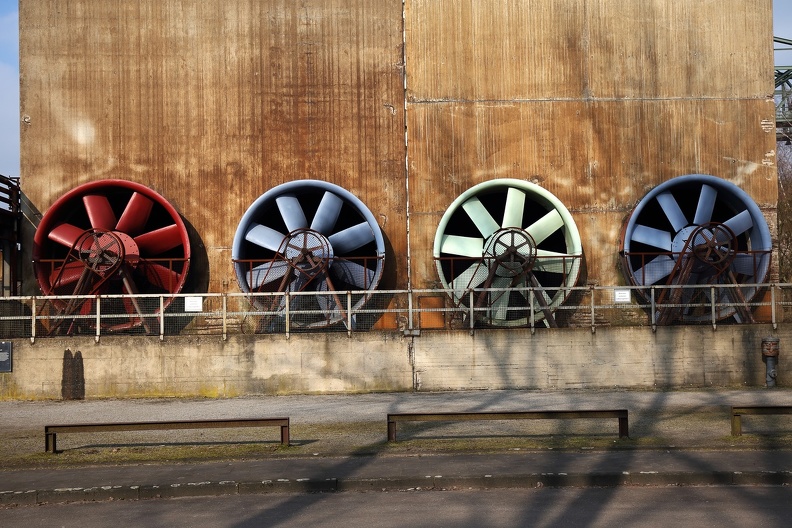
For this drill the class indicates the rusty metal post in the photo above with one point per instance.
(285, 436)
(770, 351)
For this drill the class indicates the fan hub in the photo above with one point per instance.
(104, 251)
(308, 251)
(512, 250)
(681, 239)
(713, 245)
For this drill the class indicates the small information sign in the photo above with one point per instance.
(193, 304)
(622, 296)
(6, 357)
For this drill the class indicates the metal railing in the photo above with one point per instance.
(408, 311)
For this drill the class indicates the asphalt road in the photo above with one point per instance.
(636, 507)
(679, 444)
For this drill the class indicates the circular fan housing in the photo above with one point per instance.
(309, 236)
(697, 230)
(111, 237)
(510, 234)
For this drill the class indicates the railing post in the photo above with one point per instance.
(593, 325)
(531, 301)
(287, 307)
(33, 323)
(653, 310)
(225, 316)
(712, 304)
(773, 307)
(349, 313)
(98, 317)
(162, 318)
(472, 312)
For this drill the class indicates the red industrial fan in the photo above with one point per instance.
(110, 237)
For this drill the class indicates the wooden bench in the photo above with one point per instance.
(50, 431)
(738, 412)
(393, 418)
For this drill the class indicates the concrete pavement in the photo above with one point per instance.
(691, 445)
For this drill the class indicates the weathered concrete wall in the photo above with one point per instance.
(453, 360)
(614, 357)
(208, 366)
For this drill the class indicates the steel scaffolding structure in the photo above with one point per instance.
(783, 94)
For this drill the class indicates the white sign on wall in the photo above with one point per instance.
(622, 296)
(193, 304)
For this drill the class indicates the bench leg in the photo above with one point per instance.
(285, 435)
(49, 443)
(624, 429)
(391, 431)
(736, 423)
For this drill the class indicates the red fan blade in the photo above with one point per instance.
(159, 241)
(160, 276)
(71, 273)
(66, 234)
(100, 213)
(87, 307)
(135, 216)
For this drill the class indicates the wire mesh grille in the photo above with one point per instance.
(397, 310)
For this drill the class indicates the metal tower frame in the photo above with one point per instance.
(783, 94)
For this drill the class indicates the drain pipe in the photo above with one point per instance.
(770, 357)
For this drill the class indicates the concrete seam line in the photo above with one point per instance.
(425, 483)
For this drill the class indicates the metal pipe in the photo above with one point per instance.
(770, 351)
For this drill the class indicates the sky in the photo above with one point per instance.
(9, 74)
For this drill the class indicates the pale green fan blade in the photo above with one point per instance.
(500, 299)
(545, 226)
(553, 262)
(481, 217)
(515, 204)
(462, 246)
(470, 278)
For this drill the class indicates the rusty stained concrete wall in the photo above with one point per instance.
(598, 101)
(207, 366)
(213, 102)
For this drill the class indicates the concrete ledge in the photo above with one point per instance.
(288, 486)
(189, 489)
(18, 498)
(768, 478)
(385, 484)
(428, 483)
